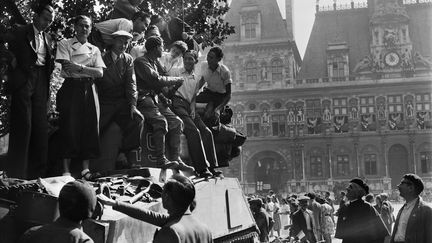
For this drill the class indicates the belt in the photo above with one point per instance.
(84, 80)
(37, 66)
(327, 214)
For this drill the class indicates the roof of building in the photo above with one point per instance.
(351, 27)
(272, 24)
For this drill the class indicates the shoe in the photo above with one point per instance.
(184, 167)
(167, 164)
(205, 174)
(216, 173)
(88, 176)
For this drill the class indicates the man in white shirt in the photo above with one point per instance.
(218, 91)
(414, 220)
(199, 137)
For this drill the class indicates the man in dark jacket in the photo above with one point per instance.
(118, 94)
(262, 219)
(29, 86)
(163, 121)
(303, 220)
(359, 222)
(414, 220)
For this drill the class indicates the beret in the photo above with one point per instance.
(361, 183)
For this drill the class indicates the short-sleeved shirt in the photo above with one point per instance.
(110, 26)
(190, 85)
(217, 80)
(85, 54)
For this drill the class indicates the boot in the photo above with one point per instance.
(174, 151)
(159, 142)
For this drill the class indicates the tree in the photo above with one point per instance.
(204, 16)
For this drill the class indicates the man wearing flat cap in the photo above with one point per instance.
(360, 222)
(77, 202)
(118, 94)
(414, 220)
(303, 220)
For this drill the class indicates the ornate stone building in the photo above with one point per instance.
(359, 104)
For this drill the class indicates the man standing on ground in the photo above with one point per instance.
(29, 87)
(414, 220)
(262, 219)
(303, 220)
(359, 222)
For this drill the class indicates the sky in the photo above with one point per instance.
(304, 16)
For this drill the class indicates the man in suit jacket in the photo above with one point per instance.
(414, 220)
(118, 94)
(29, 87)
(303, 220)
(359, 222)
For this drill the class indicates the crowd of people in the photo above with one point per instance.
(115, 71)
(356, 218)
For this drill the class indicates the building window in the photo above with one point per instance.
(426, 162)
(367, 105)
(253, 126)
(370, 164)
(316, 166)
(395, 104)
(278, 125)
(250, 25)
(340, 107)
(338, 67)
(276, 67)
(251, 72)
(342, 165)
(423, 102)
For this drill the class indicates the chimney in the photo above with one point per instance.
(289, 18)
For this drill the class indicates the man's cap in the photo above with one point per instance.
(362, 184)
(122, 33)
(153, 42)
(303, 198)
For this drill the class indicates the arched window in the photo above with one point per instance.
(276, 67)
(251, 71)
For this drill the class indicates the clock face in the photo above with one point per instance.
(392, 59)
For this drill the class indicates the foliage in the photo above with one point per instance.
(205, 16)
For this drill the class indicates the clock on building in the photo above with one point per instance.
(392, 59)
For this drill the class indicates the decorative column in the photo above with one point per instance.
(384, 149)
(356, 141)
(412, 151)
(330, 161)
(303, 161)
